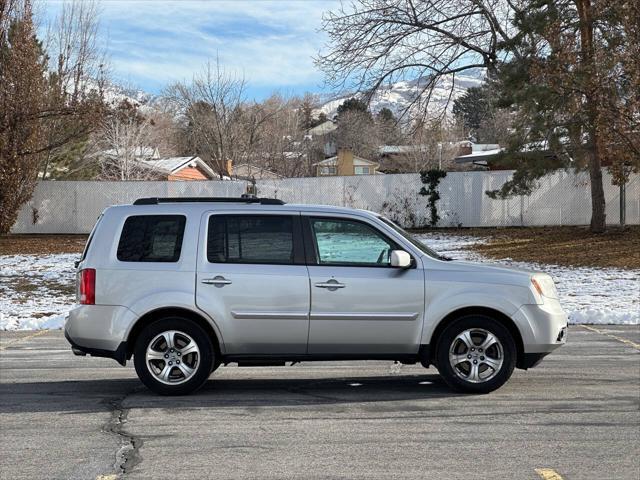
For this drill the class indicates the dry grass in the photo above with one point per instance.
(570, 246)
(41, 244)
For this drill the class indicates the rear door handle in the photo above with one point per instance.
(331, 285)
(218, 281)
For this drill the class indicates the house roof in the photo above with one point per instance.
(175, 164)
(323, 128)
(250, 170)
(479, 156)
(397, 149)
(357, 161)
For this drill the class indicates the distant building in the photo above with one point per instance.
(180, 168)
(248, 171)
(347, 164)
(477, 154)
(324, 133)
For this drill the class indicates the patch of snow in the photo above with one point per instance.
(588, 294)
(36, 291)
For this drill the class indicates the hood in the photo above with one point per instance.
(483, 272)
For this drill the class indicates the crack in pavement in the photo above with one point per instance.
(127, 456)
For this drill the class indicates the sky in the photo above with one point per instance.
(151, 43)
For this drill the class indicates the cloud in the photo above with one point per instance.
(271, 43)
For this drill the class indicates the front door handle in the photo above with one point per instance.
(218, 281)
(330, 284)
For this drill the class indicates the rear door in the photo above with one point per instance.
(253, 281)
(359, 303)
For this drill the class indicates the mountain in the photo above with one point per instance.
(400, 97)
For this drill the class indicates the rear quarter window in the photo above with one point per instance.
(261, 239)
(151, 238)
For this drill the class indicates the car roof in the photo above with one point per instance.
(202, 206)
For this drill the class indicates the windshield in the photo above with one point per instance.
(414, 241)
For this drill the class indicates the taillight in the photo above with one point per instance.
(88, 286)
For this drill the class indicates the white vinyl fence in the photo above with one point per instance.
(563, 198)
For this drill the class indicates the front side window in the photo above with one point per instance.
(349, 242)
(151, 238)
(250, 239)
(361, 170)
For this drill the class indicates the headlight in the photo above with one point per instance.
(544, 286)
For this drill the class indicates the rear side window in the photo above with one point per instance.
(151, 238)
(250, 239)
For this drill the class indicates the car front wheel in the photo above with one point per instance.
(476, 354)
(173, 356)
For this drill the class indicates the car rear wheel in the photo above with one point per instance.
(476, 354)
(173, 356)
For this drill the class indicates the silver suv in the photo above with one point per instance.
(184, 285)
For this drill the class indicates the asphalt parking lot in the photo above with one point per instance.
(576, 416)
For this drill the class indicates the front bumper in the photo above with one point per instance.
(543, 327)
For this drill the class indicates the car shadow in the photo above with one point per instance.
(86, 396)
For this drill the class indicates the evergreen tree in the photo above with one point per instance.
(354, 105)
(388, 130)
(575, 94)
(473, 109)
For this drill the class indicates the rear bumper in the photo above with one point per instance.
(99, 330)
(119, 354)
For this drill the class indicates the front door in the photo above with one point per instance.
(360, 305)
(253, 282)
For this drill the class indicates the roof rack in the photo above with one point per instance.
(243, 199)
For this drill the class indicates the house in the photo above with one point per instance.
(347, 164)
(324, 128)
(477, 154)
(180, 168)
(324, 134)
(249, 171)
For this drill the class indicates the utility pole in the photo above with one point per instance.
(623, 203)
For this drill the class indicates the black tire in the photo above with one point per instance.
(203, 367)
(495, 378)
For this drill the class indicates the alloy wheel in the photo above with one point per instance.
(172, 357)
(476, 355)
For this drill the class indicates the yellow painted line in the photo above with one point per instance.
(113, 476)
(26, 337)
(548, 474)
(615, 337)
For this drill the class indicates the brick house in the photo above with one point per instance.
(346, 163)
(180, 168)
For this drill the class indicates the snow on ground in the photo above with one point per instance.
(588, 294)
(37, 291)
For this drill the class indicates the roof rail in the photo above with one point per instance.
(243, 199)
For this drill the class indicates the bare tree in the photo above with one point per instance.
(374, 42)
(211, 109)
(77, 77)
(357, 131)
(125, 142)
(281, 142)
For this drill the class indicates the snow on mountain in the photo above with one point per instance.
(407, 97)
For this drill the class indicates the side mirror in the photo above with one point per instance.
(400, 259)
